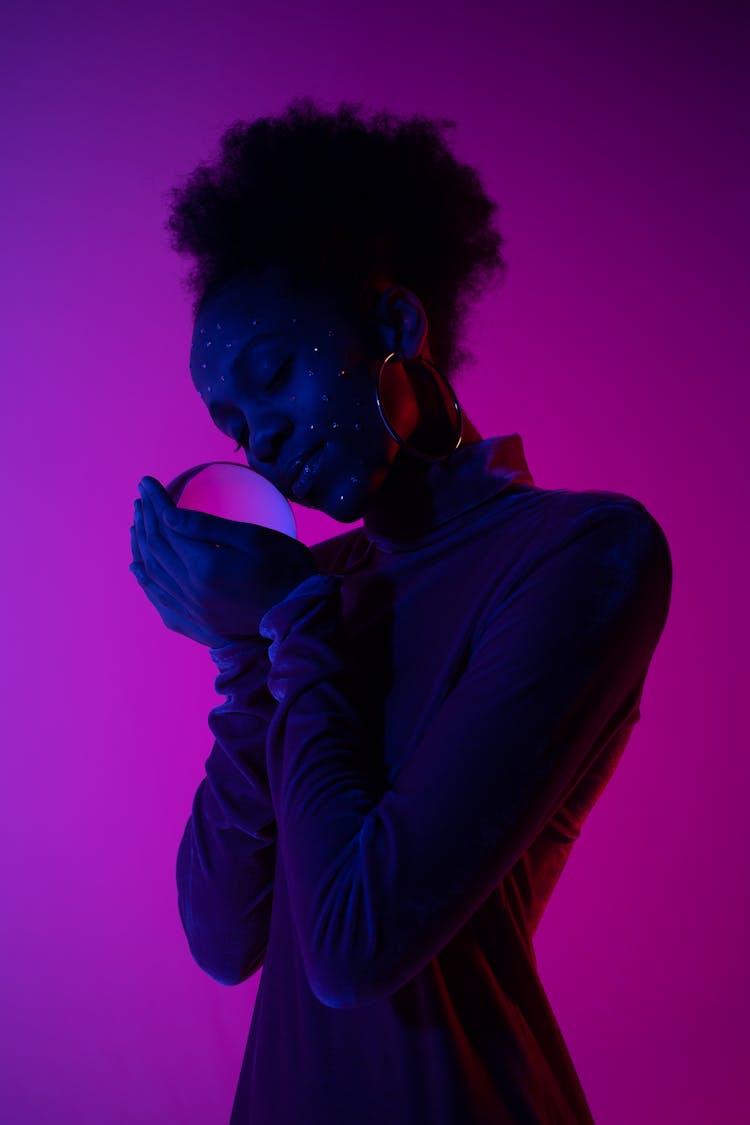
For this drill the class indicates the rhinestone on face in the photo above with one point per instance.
(221, 378)
(311, 426)
(335, 425)
(203, 365)
(315, 349)
(357, 426)
(354, 480)
(324, 397)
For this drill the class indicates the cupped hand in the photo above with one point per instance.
(210, 578)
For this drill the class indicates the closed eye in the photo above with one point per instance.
(218, 412)
(280, 372)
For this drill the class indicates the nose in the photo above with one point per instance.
(267, 436)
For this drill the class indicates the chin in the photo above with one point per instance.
(349, 510)
(345, 513)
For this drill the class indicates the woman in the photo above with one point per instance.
(420, 711)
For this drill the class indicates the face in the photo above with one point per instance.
(289, 373)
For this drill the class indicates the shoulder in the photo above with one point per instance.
(561, 514)
(626, 527)
(619, 555)
(611, 535)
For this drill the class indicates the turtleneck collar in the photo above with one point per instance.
(439, 491)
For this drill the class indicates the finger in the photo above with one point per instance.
(193, 524)
(135, 546)
(161, 550)
(252, 539)
(208, 529)
(150, 560)
(160, 499)
(171, 612)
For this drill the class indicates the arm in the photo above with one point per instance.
(226, 858)
(379, 881)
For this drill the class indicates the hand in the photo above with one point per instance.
(210, 578)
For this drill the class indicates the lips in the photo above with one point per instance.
(309, 474)
(295, 466)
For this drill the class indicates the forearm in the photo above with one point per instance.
(226, 857)
(382, 876)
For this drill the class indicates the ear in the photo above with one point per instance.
(401, 321)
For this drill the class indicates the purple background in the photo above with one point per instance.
(614, 137)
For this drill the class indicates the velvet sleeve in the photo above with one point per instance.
(226, 857)
(380, 879)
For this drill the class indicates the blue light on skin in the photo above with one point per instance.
(281, 368)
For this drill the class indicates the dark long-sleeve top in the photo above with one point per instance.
(403, 761)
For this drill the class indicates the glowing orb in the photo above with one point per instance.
(233, 492)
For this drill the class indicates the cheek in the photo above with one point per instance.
(354, 358)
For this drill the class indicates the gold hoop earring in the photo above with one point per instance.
(433, 370)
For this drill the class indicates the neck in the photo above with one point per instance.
(405, 465)
(469, 433)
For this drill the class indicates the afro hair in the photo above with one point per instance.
(334, 200)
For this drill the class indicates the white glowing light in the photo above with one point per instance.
(233, 492)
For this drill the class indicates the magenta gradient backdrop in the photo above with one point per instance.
(614, 137)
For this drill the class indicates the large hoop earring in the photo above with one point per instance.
(421, 454)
